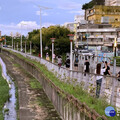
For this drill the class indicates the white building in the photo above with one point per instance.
(97, 35)
(78, 18)
(112, 2)
(69, 25)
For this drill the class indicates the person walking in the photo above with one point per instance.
(118, 75)
(99, 71)
(47, 56)
(107, 73)
(86, 66)
(67, 62)
(76, 63)
(59, 61)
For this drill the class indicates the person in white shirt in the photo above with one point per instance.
(99, 71)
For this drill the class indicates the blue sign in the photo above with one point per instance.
(110, 111)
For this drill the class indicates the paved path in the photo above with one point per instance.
(108, 92)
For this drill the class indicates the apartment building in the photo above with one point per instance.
(112, 2)
(104, 14)
(97, 35)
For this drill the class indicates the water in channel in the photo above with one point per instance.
(10, 105)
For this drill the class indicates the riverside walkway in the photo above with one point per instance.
(88, 82)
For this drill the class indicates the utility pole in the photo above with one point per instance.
(41, 8)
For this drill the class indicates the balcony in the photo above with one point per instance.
(106, 43)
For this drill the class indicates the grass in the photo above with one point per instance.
(17, 99)
(34, 84)
(4, 93)
(97, 104)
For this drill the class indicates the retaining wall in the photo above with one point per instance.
(68, 107)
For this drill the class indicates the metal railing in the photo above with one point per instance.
(88, 82)
(68, 107)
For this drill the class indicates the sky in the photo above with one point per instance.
(24, 15)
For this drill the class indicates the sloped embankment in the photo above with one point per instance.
(33, 102)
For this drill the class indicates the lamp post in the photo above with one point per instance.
(115, 46)
(71, 37)
(53, 39)
(41, 8)
(21, 35)
(25, 46)
(17, 46)
(30, 48)
(14, 45)
(12, 39)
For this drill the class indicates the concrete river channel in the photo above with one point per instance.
(10, 105)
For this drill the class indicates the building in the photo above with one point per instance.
(79, 18)
(112, 2)
(69, 25)
(104, 14)
(0, 34)
(97, 35)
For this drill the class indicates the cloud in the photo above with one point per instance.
(22, 27)
(43, 13)
(47, 24)
(27, 25)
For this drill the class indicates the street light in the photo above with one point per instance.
(21, 34)
(115, 46)
(30, 47)
(71, 37)
(12, 39)
(53, 39)
(41, 8)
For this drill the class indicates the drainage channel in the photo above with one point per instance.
(9, 110)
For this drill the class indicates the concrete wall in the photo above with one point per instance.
(68, 107)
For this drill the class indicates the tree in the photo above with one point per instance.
(88, 5)
(62, 44)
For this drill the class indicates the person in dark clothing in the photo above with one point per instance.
(107, 73)
(67, 62)
(76, 63)
(87, 64)
(118, 75)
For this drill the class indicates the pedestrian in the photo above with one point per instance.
(99, 71)
(118, 75)
(86, 66)
(76, 63)
(107, 73)
(39, 55)
(47, 56)
(67, 62)
(59, 61)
